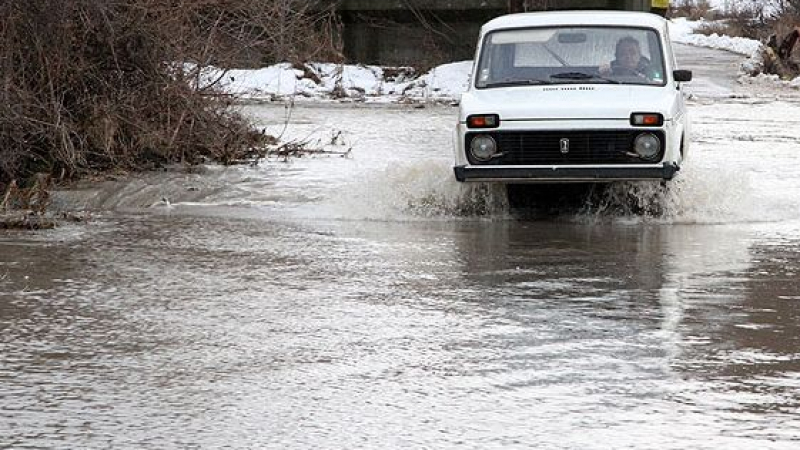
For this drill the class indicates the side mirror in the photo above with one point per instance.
(682, 75)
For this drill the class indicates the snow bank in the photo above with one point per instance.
(744, 46)
(682, 31)
(447, 81)
(277, 80)
(336, 81)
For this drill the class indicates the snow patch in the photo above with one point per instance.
(743, 46)
(447, 81)
(770, 79)
(682, 31)
(339, 81)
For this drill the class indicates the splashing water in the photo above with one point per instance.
(418, 190)
(695, 196)
(427, 189)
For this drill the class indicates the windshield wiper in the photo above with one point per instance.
(582, 76)
(527, 82)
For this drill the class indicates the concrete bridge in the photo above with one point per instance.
(423, 33)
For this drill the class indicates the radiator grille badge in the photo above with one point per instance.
(564, 145)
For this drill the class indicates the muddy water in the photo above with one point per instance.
(369, 301)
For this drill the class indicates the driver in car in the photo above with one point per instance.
(629, 60)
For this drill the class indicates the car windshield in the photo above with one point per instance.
(561, 55)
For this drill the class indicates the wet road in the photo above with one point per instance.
(371, 302)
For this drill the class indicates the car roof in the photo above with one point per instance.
(575, 18)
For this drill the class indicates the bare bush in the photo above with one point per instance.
(737, 24)
(751, 19)
(691, 9)
(91, 85)
(298, 31)
(786, 9)
(787, 16)
(710, 28)
(754, 19)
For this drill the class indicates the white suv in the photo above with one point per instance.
(591, 96)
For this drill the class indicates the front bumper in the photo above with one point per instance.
(565, 174)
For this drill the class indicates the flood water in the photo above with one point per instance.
(369, 301)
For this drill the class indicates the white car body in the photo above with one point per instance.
(554, 130)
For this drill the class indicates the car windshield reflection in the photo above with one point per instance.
(560, 55)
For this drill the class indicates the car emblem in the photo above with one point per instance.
(564, 145)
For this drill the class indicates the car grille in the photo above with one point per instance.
(585, 147)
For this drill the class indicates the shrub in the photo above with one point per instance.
(94, 85)
(691, 9)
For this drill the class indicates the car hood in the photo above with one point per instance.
(569, 102)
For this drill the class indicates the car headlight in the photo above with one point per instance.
(647, 146)
(483, 147)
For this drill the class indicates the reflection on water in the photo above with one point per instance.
(193, 331)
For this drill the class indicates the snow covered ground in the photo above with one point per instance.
(445, 83)
(347, 82)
